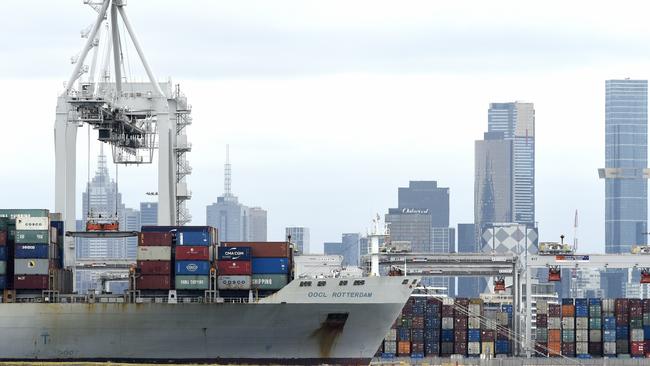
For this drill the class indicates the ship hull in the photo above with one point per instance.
(272, 332)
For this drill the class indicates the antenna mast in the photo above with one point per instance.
(227, 180)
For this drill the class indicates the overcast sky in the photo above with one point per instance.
(329, 106)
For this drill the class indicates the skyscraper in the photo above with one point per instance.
(426, 195)
(148, 213)
(413, 226)
(625, 173)
(300, 237)
(626, 157)
(348, 248)
(517, 123)
(468, 286)
(492, 180)
(231, 218)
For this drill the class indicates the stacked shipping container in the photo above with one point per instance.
(234, 268)
(154, 260)
(270, 264)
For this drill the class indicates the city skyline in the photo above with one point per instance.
(414, 68)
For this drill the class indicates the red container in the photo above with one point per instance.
(487, 336)
(554, 310)
(460, 323)
(568, 310)
(620, 306)
(622, 319)
(418, 322)
(541, 320)
(184, 253)
(646, 305)
(460, 335)
(31, 282)
(417, 347)
(568, 349)
(3, 238)
(541, 349)
(153, 282)
(637, 348)
(154, 239)
(268, 249)
(447, 311)
(155, 267)
(433, 300)
(233, 268)
(460, 348)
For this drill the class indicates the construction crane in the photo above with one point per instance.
(133, 118)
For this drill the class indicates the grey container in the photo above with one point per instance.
(554, 323)
(391, 335)
(582, 323)
(541, 335)
(32, 237)
(609, 348)
(502, 319)
(474, 323)
(582, 348)
(390, 347)
(636, 335)
(447, 323)
(595, 335)
(608, 305)
(473, 348)
(568, 322)
(542, 307)
(3, 268)
(31, 266)
(582, 335)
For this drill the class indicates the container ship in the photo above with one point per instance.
(189, 300)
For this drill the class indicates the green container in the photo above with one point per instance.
(636, 323)
(32, 237)
(595, 311)
(646, 318)
(269, 281)
(3, 268)
(13, 213)
(595, 323)
(192, 282)
(568, 335)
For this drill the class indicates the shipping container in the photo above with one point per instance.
(3, 238)
(542, 307)
(201, 253)
(158, 253)
(404, 348)
(3, 282)
(32, 223)
(582, 323)
(31, 282)
(487, 348)
(582, 348)
(155, 267)
(3, 253)
(31, 251)
(554, 322)
(554, 349)
(264, 249)
(390, 347)
(270, 265)
(473, 348)
(609, 348)
(233, 268)
(3, 268)
(595, 335)
(234, 282)
(269, 281)
(32, 237)
(193, 238)
(155, 239)
(447, 323)
(31, 266)
(234, 253)
(554, 335)
(193, 268)
(541, 349)
(153, 282)
(13, 213)
(192, 282)
(446, 348)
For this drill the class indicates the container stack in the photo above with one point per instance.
(154, 259)
(622, 314)
(460, 326)
(390, 341)
(32, 263)
(609, 328)
(432, 323)
(489, 329)
(270, 265)
(636, 328)
(4, 255)
(646, 325)
(194, 254)
(417, 327)
(234, 268)
(541, 328)
(475, 311)
(502, 343)
(595, 347)
(582, 327)
(404, 330)
(554, 321)
(447, 325)
(568, 328)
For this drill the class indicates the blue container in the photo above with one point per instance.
(433, 323)
(271, 265)
(474, 335)
(3, 253)
(502, 347)
(417, 335)
(507, 309)
(582, 311)
(199, 268)
(432, 348)
(58, 225)
(431, 334)
(31, 251)
(622, 333)
(164, 229)
(193, 238)
(403, 334)
(234, 253)
(447, 335)
(387, 355)
(567, 301)
(594, 301)
(609, 322)
(609, 336)
(3, 282)
(646, 332)
(582, 302)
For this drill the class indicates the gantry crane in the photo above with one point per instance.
(134, 118)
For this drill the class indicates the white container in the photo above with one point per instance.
(474, 323)
(234, 282)
(609, 348)
(542, 307)
(391, 335)
(582, 348)
(554, 323)
(447, 301)
(502, 319)
(582, 323)
(154, 253)
(390, 347)
(636, 335)
(568, 322)
(595, 335)
(447, 323)
(582, 335)
(608, 307)
(474, 310)
(32, 223)
(473, 348)
(31, 266)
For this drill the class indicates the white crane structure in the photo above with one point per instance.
(134, 118)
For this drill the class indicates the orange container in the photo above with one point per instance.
(554, 349)
(404, 348)
(568, 310)
(554, 335)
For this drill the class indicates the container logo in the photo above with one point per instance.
(31, 264)
(192, 267)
